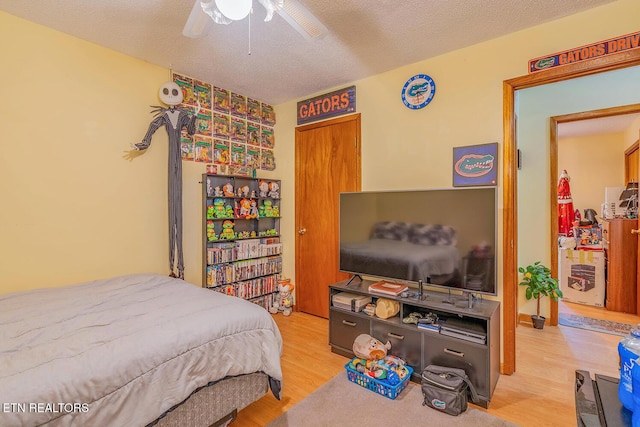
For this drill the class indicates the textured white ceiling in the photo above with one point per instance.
(366, 37)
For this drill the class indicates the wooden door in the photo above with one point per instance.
(636, 161)
(327, 156)
(631, 163)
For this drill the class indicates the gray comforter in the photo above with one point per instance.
(121, 351)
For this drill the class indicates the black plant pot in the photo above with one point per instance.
(538, 321)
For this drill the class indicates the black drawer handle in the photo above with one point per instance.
(345, 322)
(455, 353)
(392, 335)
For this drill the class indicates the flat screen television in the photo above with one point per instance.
(444, 238)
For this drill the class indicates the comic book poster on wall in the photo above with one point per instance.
(267, 139)
(253, 110)
(238, 130)
(203, 94)
(220, 151)
(268, 116)
(253, 133)
(238, 153)
(253, 157)
(232, 130)
(238, 105)
(221, 125)
(267, 160)
(186, 148)
(202, 149)
(220, 99)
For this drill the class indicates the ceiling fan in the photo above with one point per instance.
(204, 13)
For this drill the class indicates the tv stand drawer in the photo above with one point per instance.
(345, 327)
(456, 353)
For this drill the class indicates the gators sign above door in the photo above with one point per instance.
(336, 103)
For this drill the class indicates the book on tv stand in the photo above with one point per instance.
(387, 288)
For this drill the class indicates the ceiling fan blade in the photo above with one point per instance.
(198, 22)
(300, 18)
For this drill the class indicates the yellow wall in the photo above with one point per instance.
(73, 208)
(632, 133)
(404, 149)
(593, 162)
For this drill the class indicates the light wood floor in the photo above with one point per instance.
(540, 393)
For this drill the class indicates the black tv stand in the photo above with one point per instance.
(353, 277)
(472, 341)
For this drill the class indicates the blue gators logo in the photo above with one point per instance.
(439, 404)
(418, 91)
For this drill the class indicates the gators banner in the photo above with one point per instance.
(583, 53)
(332, 104)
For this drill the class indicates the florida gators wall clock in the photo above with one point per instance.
(418, 91)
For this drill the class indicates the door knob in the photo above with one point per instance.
(302, 230)
(635, 231)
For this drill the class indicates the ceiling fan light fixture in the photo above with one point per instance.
(235, 10)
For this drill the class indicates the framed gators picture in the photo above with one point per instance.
(475, 165)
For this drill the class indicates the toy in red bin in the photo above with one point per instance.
(566, 214)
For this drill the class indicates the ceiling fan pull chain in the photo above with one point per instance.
(250, 13)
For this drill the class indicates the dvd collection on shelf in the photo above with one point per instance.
(221, 274)
(243, 249)
(250, 289)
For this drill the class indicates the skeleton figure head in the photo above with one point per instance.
(170, 93)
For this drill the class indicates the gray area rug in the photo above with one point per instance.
(596, 325)
(343, 403)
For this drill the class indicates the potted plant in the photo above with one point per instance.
(538, 281)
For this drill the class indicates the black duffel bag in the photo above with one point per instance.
(447, 389)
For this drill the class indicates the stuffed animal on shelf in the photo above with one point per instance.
(227, 232)
(227, 189)
(274, 190)
(264, 188)
(284, 299)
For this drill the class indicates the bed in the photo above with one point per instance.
(134, 350)
(404, 250)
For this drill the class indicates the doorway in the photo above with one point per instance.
(631, 166)
(327, 162)
(510, 188)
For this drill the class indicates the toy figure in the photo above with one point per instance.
(264, 188)
(367, 347)
(566, 214)
(217, 192)
(218, 208)
(211, 232)
(227, 189)
(284, 299)
(244, 190)
(245, 208)
(227, 230)
(268, 209)
(209, 188)
(273, 190)
(174, 120)
(253, 211)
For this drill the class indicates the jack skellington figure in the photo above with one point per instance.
(174, 120)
